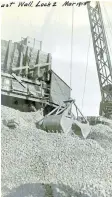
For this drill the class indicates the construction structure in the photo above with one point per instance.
(29, 83)
(103, 62)
(28, 78)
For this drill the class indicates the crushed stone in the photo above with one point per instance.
(40, 164)
(103, 135)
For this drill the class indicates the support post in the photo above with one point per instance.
(7, 66)
(35, 73)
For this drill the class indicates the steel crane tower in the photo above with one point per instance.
(102, 57)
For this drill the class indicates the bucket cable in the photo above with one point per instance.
(110, 27)
(86, 72)
(71, 59)
(108, 20)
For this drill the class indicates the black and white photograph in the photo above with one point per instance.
(56, 98)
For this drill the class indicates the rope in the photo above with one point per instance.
(71, 48)
(86, 73)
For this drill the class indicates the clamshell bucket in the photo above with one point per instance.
(81, 129)
(62, 120)
(57, 123)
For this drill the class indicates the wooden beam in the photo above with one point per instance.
(20, 59)
(20, 95)
(19, 68)
(20, 63)
(27, 60)
(19, 80)
(7, 58)
(13, 54)
(49, 60)
(27, 67)
(22, 79)
(40, 65)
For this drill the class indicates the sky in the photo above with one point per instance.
(54, 27)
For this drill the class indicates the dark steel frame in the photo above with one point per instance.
(102, 57)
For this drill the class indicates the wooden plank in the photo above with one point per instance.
(21, 63)
(27, 67)
(19, 68)
(20, 59)
(18, 79)
(20, 95)
(13, 54)
(27, 61)
(23, 79)
(7, 59)
(40, 65)
(36, 69)
(49, 59)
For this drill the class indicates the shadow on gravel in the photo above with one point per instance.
(42, 190)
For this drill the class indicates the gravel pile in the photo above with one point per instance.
(103, 135)
(20, 117)
(40, 164)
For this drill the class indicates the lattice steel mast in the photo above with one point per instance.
(103, 62)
